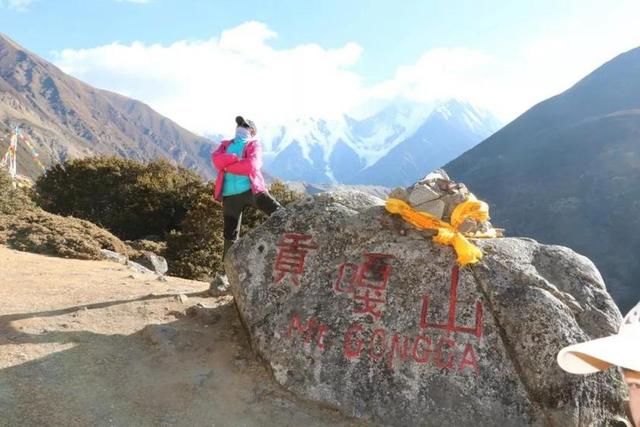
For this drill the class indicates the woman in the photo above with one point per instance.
(239, 184)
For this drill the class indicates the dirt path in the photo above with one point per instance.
(87, 343)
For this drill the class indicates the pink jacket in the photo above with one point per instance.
(248, 165)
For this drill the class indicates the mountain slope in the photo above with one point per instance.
(396, 146)
(567, 172)
(450, 130)
(312, 150)
(67, 118)
(379, 134)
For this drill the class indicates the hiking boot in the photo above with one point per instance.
(219, 286)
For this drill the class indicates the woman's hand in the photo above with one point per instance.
(222, 160)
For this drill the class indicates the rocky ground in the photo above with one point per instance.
(88, 343)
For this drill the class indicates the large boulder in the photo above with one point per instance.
(382, 325)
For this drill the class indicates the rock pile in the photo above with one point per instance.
(438, 195)
(348, 312)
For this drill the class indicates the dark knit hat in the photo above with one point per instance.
(242, 122)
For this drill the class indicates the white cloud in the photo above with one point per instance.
(19, 5)
(438, 73)
(204, 84)
(543, 67)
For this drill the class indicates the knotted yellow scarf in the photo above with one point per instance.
(448, 234)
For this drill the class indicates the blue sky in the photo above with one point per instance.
(390, 32)
(501, 55)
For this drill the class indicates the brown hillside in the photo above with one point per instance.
(67, 118)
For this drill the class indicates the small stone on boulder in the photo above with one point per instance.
(434, 208)
(400, 194)
(421, 194)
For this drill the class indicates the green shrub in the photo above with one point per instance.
(41, 232)
(129, 198)
(195, 251)
(25, 227)
(13, 200)
(139, 246)
(134, 200)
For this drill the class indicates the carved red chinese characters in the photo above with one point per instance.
(292, 253)
(451, 326)
(366, 283)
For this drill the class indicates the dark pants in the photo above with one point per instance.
(232, 207)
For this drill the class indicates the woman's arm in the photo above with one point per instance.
(251, 163)
(221, 159)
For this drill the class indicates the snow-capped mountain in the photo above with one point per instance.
(312, 150)
(451, 129)
(378, 134)
(396, 146)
